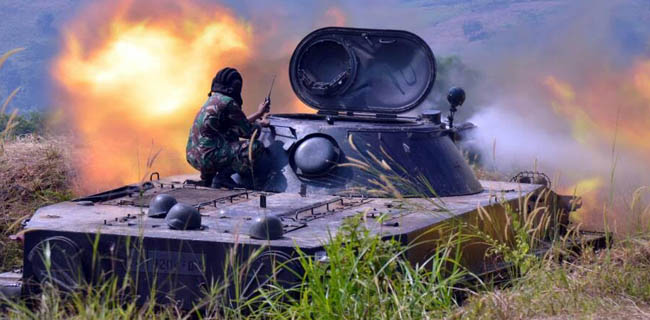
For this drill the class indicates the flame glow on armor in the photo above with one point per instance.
(592, 202)
(132, 78)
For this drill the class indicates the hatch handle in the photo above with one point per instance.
(387, 41)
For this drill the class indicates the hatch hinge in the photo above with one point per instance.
(385, 116)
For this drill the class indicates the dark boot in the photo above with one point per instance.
(206, 179)
(223, 180)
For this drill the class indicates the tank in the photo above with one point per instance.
(371, 150)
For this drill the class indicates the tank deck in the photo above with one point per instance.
(227, 214)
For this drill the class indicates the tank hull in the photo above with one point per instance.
(115, 237)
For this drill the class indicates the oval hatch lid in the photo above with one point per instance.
(362, 70)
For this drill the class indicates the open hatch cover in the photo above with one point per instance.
(362, 70)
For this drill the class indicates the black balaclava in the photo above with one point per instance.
(228, 81)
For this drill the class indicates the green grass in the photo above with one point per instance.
(367, 277)
(613, 283)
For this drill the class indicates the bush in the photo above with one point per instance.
(30, 123)
(34, 171)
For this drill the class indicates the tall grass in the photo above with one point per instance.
(512, 232)
(10, 121)
(367, 277)
(612, 284)
(34, 172)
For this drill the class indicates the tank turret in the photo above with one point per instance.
(361, 82)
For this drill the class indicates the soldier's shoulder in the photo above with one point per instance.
(222, 99)
(217, 103)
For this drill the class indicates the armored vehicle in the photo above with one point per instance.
(360, 155)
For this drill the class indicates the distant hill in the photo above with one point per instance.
(35, 26)
(450, 26)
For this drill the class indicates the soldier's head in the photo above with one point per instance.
(228, 81)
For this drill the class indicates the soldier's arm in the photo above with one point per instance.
(239, 122)
(262, 109)
(210, 124)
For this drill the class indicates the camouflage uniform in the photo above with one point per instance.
(214, 143)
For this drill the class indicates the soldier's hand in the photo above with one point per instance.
(264, 122)
(264, 107)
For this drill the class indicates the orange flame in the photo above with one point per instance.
(608, 106)
(134, 85)
(609, 110)
(589, 190)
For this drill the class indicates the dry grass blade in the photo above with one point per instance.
(353, 165)
(374, 158)
(151, 159)
(483, 215)
(351, 142)
(390, 187)
(8, 54)
(357, 161)
(250, 145)
(385, 165)
(3, 109)
(639, 209)
(10, 121)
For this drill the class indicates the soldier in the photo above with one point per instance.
(214, 147)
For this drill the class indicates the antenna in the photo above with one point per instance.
(268, 96)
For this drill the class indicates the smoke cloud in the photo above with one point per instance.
(569, 97)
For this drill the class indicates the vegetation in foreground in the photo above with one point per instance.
(34, 171)
(610, 284)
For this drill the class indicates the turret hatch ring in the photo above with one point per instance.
(327, 67)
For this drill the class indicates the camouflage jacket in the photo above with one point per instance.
(220, 122)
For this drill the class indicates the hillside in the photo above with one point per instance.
(34, 25)
(449, 26)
